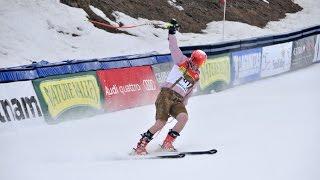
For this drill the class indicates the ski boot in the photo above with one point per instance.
(142, 144)
(167, 143)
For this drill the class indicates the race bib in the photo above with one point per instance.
(184, 84)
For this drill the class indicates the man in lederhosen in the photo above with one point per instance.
(174, 94)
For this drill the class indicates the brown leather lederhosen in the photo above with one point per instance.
(170, 103)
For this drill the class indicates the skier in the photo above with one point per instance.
(174, 93)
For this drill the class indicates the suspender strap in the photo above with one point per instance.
(189, 91)
(175, 83)
(184, 73)
(188, 88)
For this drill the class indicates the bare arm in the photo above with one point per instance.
(176, 53)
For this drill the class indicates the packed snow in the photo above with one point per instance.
(264, 130)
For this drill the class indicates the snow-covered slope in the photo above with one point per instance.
(29, 31)
(269, 129)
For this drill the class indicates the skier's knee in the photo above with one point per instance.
(182, 117)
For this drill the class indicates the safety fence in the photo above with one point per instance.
(72, 89)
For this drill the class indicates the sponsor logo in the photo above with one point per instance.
(278, 63)
(149, 85)
(276, 59)
(112, 90)
(299, 50)
(128, 87)
(246, 65)
(19, 109)
(161, 71)
(124, 89)
(303, 52)
(63, 94)
(248, 61)
(217, 69)
(161, 76)
(303, 47)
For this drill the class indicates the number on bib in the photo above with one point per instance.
(184, 84)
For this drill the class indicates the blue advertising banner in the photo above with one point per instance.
(246, 65)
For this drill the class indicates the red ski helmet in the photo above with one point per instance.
(198, 57)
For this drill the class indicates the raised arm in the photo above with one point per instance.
(176, 53)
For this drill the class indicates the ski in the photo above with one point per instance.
(172, 155)
(178, 154)
(212, 151)
(150, 156)
(168, 156)
(163, 155)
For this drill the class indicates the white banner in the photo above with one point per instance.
(317, 50)
(276, 59)
(19, 106)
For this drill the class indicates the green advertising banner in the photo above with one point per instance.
(71, 96)
(215, 74)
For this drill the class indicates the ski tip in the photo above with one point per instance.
(213, 151)
(181, 155)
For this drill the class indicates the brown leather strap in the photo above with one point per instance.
(189, 91)
(175, 83)
(184, 73)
